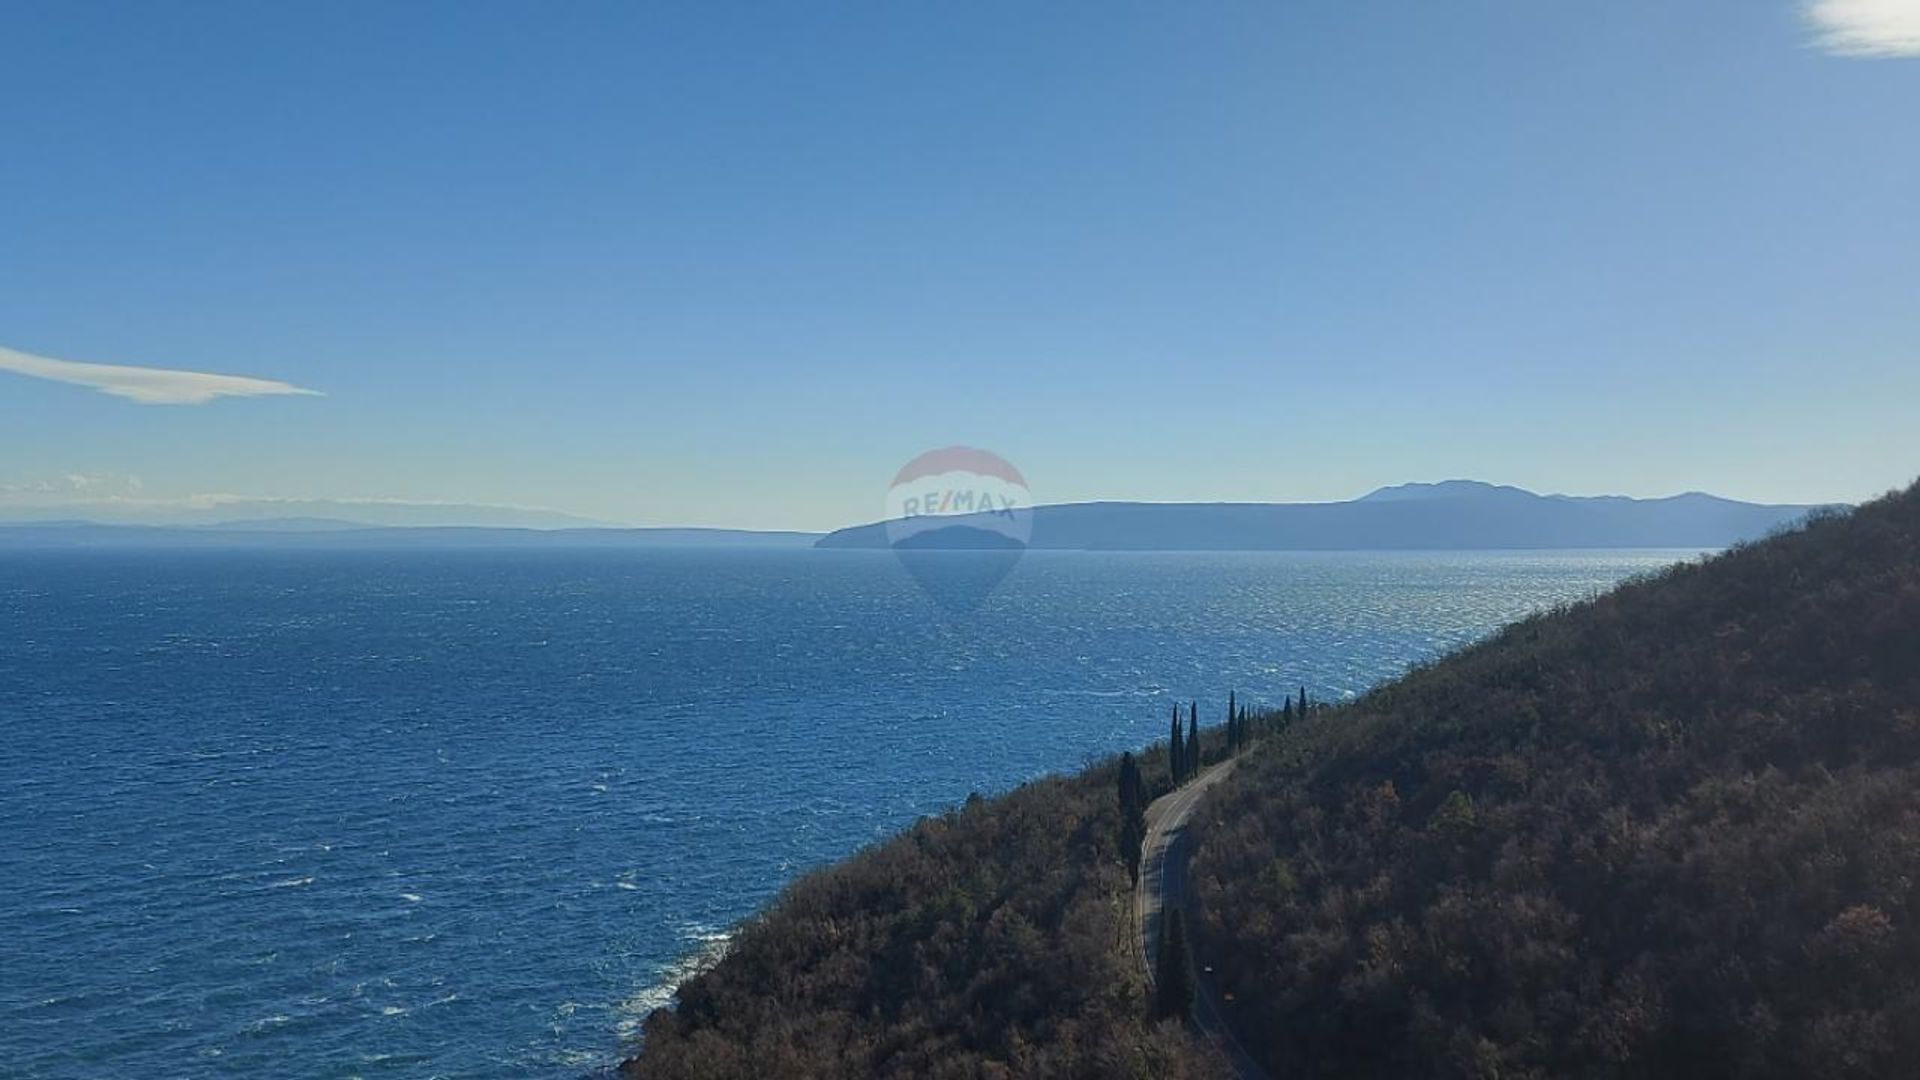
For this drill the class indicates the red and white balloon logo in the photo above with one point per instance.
(958, 518)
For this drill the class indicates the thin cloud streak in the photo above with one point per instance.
(148, 386)
(1868, 28)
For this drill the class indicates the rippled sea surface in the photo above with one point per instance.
(468, 813)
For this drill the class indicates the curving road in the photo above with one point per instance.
(1163, 885)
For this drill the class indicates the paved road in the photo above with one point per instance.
(1163, 885)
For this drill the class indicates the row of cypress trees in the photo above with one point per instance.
(1243, 726)
(1173, 967)
(1185, 761)
(1239, 726)
(1183, 754)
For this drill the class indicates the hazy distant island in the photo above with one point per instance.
(1453, 515)
(328, 534)
(1670, 831)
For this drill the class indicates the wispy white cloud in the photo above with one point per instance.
(71, 488)
(148, 386)
(1882, 28)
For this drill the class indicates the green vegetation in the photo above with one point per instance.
(1673, 831)
(995, 940)
(1194, 759)
(1133, 816)
(1177, 768)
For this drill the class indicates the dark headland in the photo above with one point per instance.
(1672, 831)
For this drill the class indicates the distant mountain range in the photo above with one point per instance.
(1454, 515)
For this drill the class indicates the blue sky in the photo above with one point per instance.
(733, 265)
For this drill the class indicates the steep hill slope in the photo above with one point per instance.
(1674, 831)
(992, 941)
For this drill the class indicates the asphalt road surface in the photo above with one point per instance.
(1163, 886)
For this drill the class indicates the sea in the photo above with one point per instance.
(473, 813)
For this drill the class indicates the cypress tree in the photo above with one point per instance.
(1179, 748)
(1175, 752)
(1193, 737)
(1286, 714)
(1133, 838)
(1233, 725)
(1130, 788)
(1173, 976)
(1133, 820)
(1303, 703)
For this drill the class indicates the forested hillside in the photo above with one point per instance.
(1674, 831)
(988, 942)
